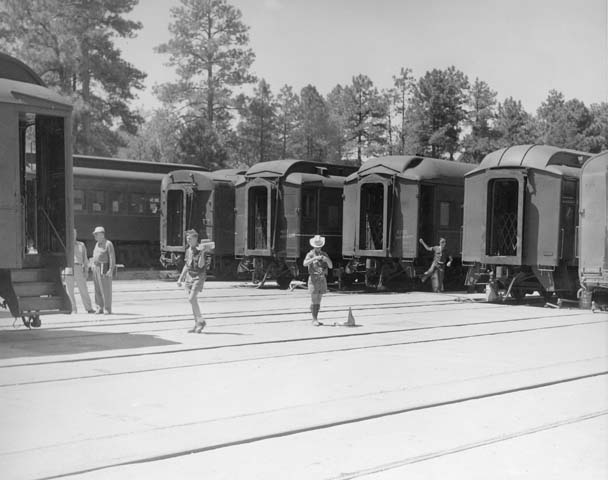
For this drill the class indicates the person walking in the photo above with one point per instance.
(318, 262)
(80, 272)
(104, 262)
(193, 277)
(441, 259)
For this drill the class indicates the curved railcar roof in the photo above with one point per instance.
(413, 167)
(540, 157)
(91, 161)
(202, 180)
(309, 179)
(13, 69)
(282, 168)
(595, 164)
(117, 174)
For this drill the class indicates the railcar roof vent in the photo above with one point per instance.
(321, 170)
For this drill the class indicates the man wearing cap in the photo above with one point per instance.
(81, 268)
(104, 261)
(318, 262)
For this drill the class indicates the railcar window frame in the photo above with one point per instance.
(92, 200)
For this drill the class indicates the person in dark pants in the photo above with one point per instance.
(104, 262)
(317, 262)
(441, 259)
(193, 277)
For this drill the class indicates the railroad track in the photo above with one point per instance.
(285, 355)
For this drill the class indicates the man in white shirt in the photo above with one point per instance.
(81, 269)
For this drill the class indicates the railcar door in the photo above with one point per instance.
(374, 197)
(330, 220)
(12, 169)
(261, 204)
(506, 200)
(568, 221)
(175, 217)
(349, 218)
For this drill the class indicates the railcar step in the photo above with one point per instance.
(30, 275)
(34, 289)
(41, 304)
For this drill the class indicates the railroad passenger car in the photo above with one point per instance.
(520, 219)
(203, 201)
(124, 197)
(593, 225)
(391, 202)
(280, 205)
(36, 229)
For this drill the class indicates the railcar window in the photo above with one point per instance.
(97, 201)
(137, 203)
(117, 202)
(154, 204)
(79, 201)
(503, 199)
(444, 214)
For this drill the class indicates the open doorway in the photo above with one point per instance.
(258, 218)
(503, 201)
(371, 219)
(43, 188)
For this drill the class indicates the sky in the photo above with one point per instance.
(521, 48)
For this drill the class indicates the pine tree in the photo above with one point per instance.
(312, 140)
(70, 45)
(401, 94)
(210, 53)
(514, 125)
(288, 104)
(438, 110)
(481, 115)
(257, 130)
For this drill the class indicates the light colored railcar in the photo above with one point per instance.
(36, 226)
(520, 220)
(593, 227)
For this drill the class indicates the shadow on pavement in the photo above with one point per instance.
(33, 343)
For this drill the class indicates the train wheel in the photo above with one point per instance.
(26, 322)
(283, 281)
(35, 321)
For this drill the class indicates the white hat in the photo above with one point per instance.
(317, 241)
(99, 230)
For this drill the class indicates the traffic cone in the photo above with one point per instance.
(350, 322)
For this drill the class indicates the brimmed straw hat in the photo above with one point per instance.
(99, 230)
(317, 241)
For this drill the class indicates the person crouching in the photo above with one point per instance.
(318, 262)
(193, 277)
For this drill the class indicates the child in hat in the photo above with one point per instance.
(193, 277)
(317, 262)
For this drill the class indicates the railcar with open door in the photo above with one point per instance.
(280, 205)
(36, 226)
(520, 220)
(391, 202)
(203, 201)
(593, 229)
